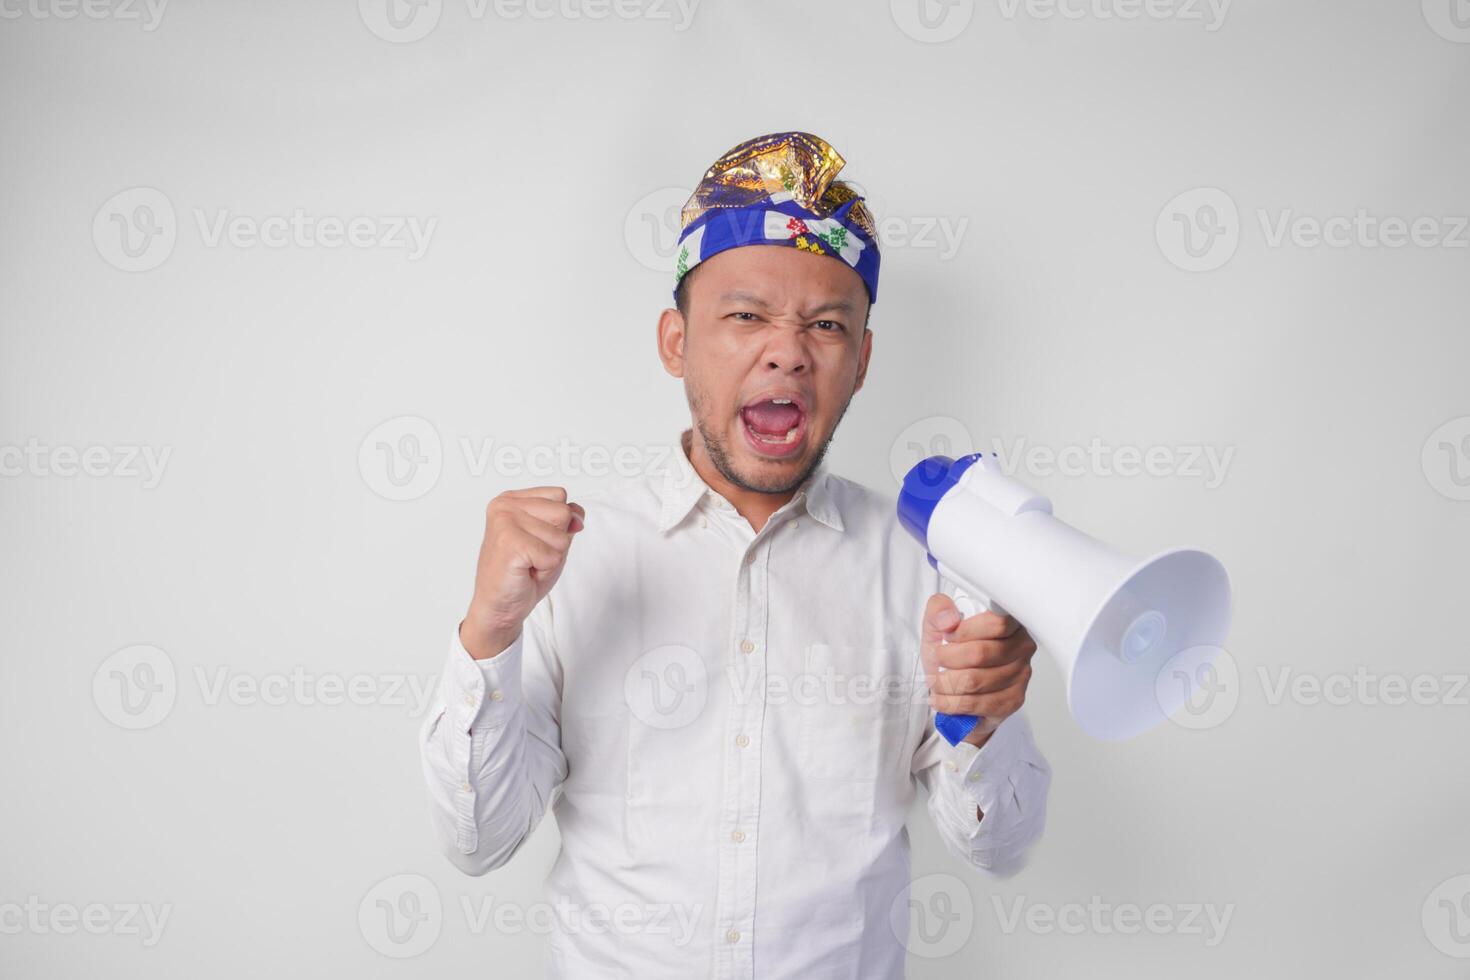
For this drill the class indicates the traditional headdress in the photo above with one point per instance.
(779, 190)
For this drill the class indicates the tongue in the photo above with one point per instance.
(770, 419)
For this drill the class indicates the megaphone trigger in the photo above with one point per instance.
(969, 600)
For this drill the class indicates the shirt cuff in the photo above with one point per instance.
(481, 694)
(983, 774)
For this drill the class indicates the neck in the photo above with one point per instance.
(753, 505)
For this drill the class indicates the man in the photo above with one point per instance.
(729, 696)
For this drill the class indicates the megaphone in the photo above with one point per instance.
(1111, 622)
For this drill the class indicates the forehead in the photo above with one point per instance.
(779, 274)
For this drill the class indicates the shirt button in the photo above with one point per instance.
(746, 646)
(974, 777)
(732, 936)
(464, 787)
(469, 698)
(496, 696)
(704, 522)
(737, 836)
(949, 764)
(792, 524)
(742, 740)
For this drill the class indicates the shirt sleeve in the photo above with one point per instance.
(491, 746)
(1006, 779)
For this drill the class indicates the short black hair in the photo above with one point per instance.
(681, 293)
(681, 298)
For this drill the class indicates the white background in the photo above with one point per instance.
(549, 152)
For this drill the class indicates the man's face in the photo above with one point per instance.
(771, 351)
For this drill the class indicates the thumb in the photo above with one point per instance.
(941, 616)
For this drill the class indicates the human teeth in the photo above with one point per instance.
(781, 401)
(788, 438)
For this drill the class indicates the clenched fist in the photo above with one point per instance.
(527, 536)
(986, 661)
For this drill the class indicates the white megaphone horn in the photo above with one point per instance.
(1110, 621)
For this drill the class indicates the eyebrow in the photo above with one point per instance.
(742, 296)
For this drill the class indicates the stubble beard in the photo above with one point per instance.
(714, 447)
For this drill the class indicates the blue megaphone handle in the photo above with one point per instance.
(954, 728)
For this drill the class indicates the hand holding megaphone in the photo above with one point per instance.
(977, 663)
(1110, 622)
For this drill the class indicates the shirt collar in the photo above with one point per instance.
(683, 488)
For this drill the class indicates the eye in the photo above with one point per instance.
(829, 325)
(745, 317)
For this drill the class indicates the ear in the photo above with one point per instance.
(863, 355)
(671, 328)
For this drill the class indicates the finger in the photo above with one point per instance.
(997, 704)
(559, 494)
(985, 626)
(983, 680)
(528, 552)
(941, 616)
(984, 653)
(988, 706)
(552, 512)
(553, 534)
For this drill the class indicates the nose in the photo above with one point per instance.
(786, 351)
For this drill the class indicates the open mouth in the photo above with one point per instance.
(775, 425)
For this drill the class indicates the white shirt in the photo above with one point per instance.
(730, 728)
